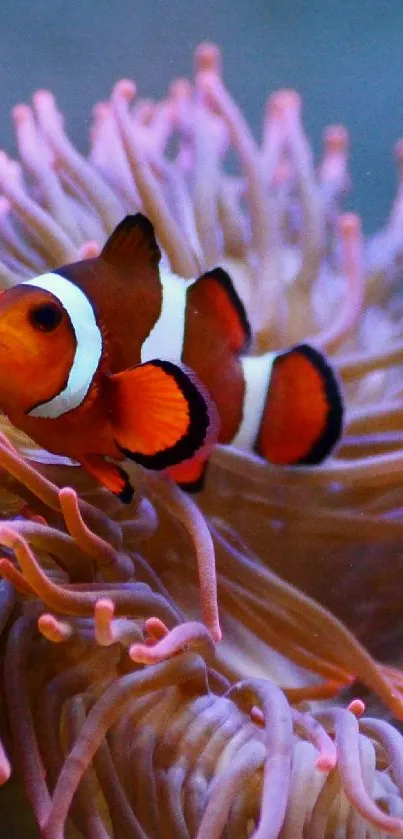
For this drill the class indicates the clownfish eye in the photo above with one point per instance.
(45, 318)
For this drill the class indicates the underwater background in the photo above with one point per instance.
(343, 56)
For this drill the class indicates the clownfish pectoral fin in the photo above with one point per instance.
(161, 414)
(303, 416)
(132, 245)
(190, 475)
(109, 475)
(214, 292)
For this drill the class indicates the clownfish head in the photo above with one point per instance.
(50, 347)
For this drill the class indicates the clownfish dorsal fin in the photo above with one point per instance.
(132, 245)
(303, 416)
(161, 414)
(215, 293)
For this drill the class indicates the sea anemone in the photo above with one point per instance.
(121, 712)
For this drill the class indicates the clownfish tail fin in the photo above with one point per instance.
(303, 415)
(161, 414)
(214, 293)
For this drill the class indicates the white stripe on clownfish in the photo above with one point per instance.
(257, 372)
(166, 338)
(88, 345)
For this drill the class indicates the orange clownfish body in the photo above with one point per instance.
(115, 357)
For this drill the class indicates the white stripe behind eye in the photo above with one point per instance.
(88, 345)
(257, 372)
(166, 337)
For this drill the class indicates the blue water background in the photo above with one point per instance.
(344, 56)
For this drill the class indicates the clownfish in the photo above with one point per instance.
(115, 357)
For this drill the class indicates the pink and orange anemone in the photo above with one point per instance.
(122, 711)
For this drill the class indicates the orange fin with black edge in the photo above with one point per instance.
(132, 245)
(215, 294)
(190, 475)
(303, 416)
(109, 475)
(161, 414)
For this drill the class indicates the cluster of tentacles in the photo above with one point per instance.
(124, 714)
(120, 711)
